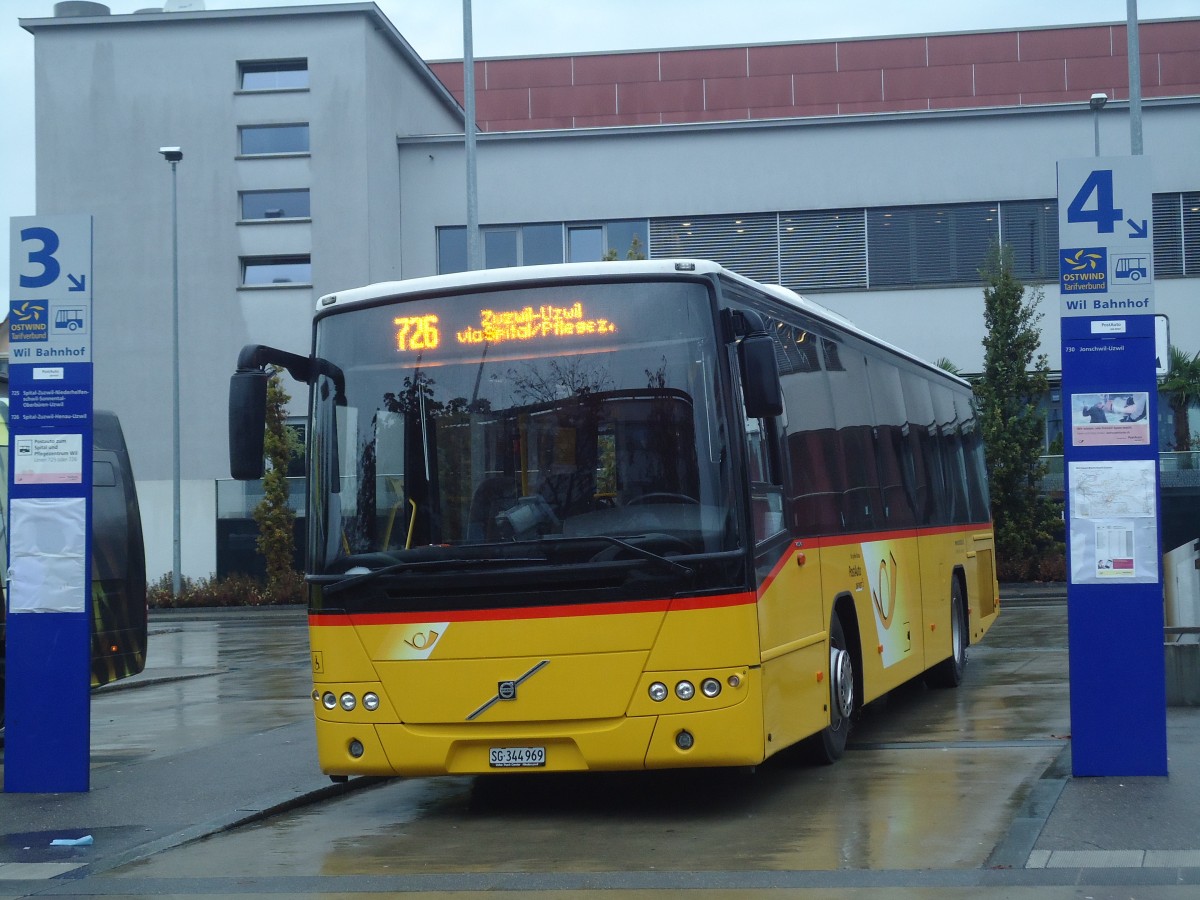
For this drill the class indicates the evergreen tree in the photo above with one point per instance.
(276, 538)
(1015, 377)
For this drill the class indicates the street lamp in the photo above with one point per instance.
(1096, 104)
(173, 155)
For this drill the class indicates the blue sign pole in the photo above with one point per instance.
(48, 601)
(1110, 416)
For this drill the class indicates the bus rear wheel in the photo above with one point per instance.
(828, 746)
(949, 672)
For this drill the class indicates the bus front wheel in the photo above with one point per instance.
(829, 744)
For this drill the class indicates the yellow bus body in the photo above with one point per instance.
(580, 675)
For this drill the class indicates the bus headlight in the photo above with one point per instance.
(685, 690)
(370, 701)
(710, 688)
(328, 700)
(348, 701)
(658, 692)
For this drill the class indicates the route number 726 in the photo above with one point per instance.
(417, 333)
(1104, 212)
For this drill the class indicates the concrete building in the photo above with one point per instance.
(321, 153)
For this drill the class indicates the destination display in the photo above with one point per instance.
(529, 323)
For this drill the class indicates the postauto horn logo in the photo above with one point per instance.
(1083, 270)
(30, 321)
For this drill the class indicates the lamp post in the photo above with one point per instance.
(173, 155)
(1096, 104)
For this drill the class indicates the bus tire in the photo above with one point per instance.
(827, 746)
(949, 672)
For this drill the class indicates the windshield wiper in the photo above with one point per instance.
(678, 568)
(334, 584)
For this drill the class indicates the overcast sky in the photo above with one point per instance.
(534, 27)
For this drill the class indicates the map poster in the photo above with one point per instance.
(1117, 419)
(1114, 522)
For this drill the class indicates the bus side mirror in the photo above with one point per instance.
(760, 376)
(247, 423)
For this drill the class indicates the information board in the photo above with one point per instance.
(48, 671)
(1111, 352)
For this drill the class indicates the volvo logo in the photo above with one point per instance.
(507, 690)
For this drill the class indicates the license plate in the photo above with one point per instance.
(516, 757)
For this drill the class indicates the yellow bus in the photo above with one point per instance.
(618, 516)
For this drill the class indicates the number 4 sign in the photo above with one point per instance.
(1105, 233)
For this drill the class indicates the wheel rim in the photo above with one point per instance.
(958, 625)
(841, 672)
(958, 635)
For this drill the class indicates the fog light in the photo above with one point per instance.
(328, 700)
(348, 701)
(370, 701)
(658, 692)
(684, 740)
(356, 748)
(710, 687)
(685, 690)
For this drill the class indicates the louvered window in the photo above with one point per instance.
(1030, 227)
(824, 250)
(1191, 233)
(748, 245)
(1168, 235)
(911, 246)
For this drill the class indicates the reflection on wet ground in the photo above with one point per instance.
(203, 680)
(932, 780)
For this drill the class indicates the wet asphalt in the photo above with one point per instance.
(204, 783)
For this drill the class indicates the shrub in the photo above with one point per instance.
(236, 590)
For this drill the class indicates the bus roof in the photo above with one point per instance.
(485, 278)
(482, 279)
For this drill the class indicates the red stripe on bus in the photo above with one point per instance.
(843, 540)
(716, 601)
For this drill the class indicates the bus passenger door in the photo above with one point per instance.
(792, 648)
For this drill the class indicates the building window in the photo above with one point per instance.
(824, 250)
(261, 140)
(1030, 227)
(510, 245)
(267, 271)
(500, 248)
(944, 244)
(626, 240)
(585, 244)
(748, 244)
(1168, 235)
(541, 244)
(1191, 233)
(452, 249)
(274, 204)
(274, 75)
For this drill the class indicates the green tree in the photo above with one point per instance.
(1182, 389)
(1015, 377)
(276, 538)
(943, 362)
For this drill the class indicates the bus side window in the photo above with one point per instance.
(766, 494)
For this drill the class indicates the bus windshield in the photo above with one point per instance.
(473, 427)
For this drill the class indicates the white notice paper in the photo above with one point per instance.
(47, 550)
